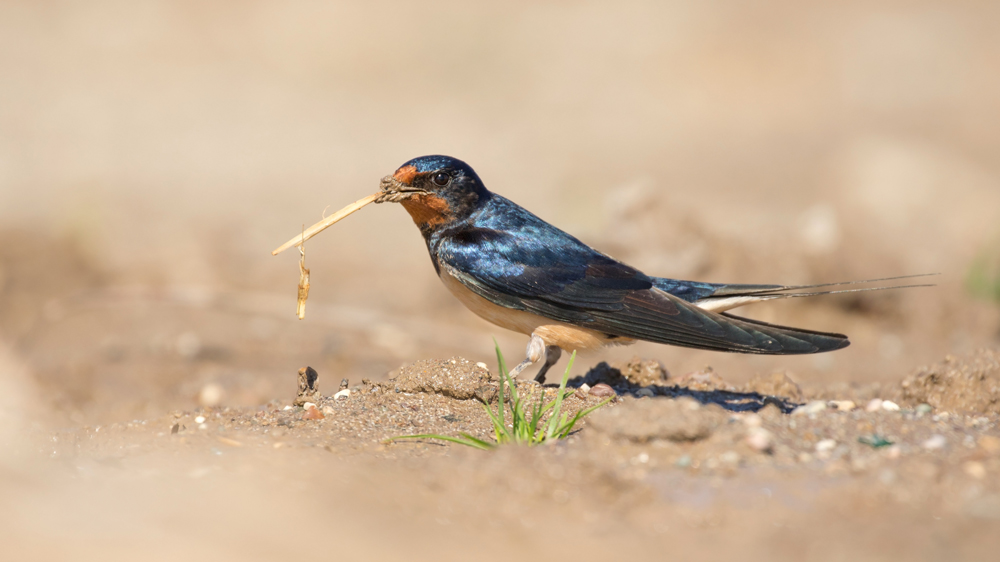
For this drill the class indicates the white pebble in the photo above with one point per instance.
(842, 405)
(308, 405)
(482, 365)
(814, 407)
(890, 406)
(752, 420)
(346, 393)
(584, 388)
(287, 408)
(199, 419)
(874, 406)
(935, 442)
(759, 439)
(825, 445)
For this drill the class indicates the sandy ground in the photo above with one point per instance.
(152, 154)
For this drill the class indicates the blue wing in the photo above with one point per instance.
(514, 259)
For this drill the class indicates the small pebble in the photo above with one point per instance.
(753, 420)
(482, 365)
(975, 469)
(842, 405)
(199, 419)
(584, 388)
(935, 442)
(287, 408)
(890, 406)
(308, 405)
(874, 405)
(893, 451)
(313, 414)
(644, 393)
(328, 410)
(760, 440)
(825, 446)
(346, 393)
(601, 390)
(730, 457)
(683, 462)
(924, 409)
(814, 407)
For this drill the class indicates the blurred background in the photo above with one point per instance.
(153, 153)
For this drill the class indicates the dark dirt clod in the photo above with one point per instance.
(775, 384)
(456, 378)
(682, 419)
(969, 384)
(308, 386)
(487, 394)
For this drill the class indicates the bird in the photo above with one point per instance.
(519, 272)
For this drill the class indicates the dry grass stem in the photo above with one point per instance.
(327, 222)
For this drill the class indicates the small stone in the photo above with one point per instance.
(893, 451)
(874, 405)
(934, 443)
(644, 393)
(287, 408)
(730, 457)
(601, 390)
(760, 440)
(175, 428)
(753, 420)
(584, 388)
(203, 426)
(989, 443)
(825, 446)
(199, 419)
(924, 409)
(344, 383)
(346, 393)
(487, 394)
(328, 410)
(890, 406)
(805, 457)
(308, 405)
(482, 365)
(211, 395)
(313, 414)
(683, 462)
(975, 469)
(814, 407)
(842, 405)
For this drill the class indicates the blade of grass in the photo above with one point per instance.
(468, 440)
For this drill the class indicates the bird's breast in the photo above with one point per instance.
(566, 336)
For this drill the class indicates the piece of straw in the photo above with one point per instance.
(327, 223)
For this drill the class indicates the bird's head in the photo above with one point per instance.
(435, 190)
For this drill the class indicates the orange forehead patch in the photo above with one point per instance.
(406, 174)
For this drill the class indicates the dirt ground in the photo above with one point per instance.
(152, 154)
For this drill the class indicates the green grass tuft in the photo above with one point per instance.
(528, 423)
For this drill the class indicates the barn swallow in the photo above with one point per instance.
(521, 273)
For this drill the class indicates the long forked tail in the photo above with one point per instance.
(726, 297)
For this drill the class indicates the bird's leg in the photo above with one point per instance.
(552, 354)
(535, 352)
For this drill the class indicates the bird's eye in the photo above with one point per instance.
(440, 178)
